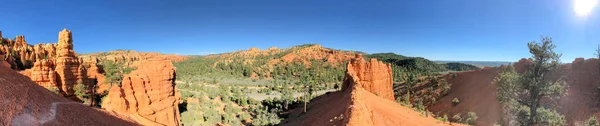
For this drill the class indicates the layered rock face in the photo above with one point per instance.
(54, 65)
(43, 74)
(147, 93)
(374, 76)
(68, 66)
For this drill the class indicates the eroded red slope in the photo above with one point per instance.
(476, 93)
(26, 103)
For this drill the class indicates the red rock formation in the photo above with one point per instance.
(20, 41)
(95, 76)
(520, 66)
(577, 64)
(363, 101)
(52, 65)
(24, 103)
(374, 76)
(129, 56)
(43, 74)
(67, 64)
(147, 92)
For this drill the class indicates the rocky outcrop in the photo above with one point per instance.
(520, 66)
(365, 100)
(95, 76)
(24, 103)
(578, 64)
(43, 74)
(374, 76)
(68, 67)
(147, 92)
(49, 65)
(128, 56)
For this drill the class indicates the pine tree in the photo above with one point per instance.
(522, 93)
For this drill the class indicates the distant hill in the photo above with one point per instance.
(295, 62)
(480, 64)
(403, 65)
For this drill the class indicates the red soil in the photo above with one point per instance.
(583, 98)
(26, 103)
(476, 93)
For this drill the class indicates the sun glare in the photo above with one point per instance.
(584, 7)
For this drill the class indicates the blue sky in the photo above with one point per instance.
(435, 29)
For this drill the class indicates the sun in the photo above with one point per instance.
(584, 7)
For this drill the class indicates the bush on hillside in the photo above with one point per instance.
(455, 101)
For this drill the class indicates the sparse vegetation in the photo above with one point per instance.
(81, 91)
(455, 101)
(114, 72)
(598, 55)
(470, 118)
(592, 121)
(54, 90)
(403, 66)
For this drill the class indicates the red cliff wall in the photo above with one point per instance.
(374, 76)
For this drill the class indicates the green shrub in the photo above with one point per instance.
(444, 119)
(592, 121)
(471, 118)
(54, 90)
(114, 71)
(81, 92)
(457, 118)
(455, 101)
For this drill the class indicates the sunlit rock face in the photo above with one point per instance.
(49, 65)
(374, 76)
(147, 92)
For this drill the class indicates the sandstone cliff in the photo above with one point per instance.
(374, 76)
(54, 65)
(148, 93)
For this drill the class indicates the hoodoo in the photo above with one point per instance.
(374, 76)
(147, 94)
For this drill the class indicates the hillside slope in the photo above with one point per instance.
(26, 103)
(357, 105)
(477, 93)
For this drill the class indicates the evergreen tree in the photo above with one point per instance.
(522, 93)
(114, 72)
